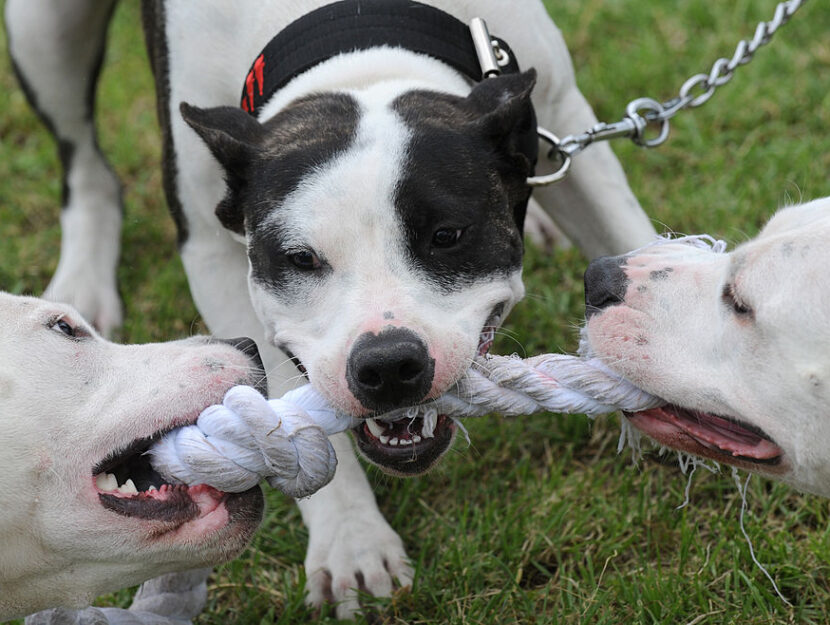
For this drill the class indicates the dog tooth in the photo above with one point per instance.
(406, 441)
(151, 489)
(106, 482)
(416, 439)
(128, 488)
(384, 440)
(393, 441)
(375, 428)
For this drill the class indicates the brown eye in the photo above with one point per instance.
(305, 260)
(735, 304)
(446, 237)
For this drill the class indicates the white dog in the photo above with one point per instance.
(738, 344)
(81, 511)
(365, 223)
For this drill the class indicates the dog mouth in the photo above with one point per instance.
(127, 484)
(411, 445)
(408, 446)
(719, 438)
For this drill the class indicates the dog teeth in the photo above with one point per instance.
(375, 428)
(384, 440)
(416, 439)
(106, 482)
(406, 441)
(128, 488)
(393, 441)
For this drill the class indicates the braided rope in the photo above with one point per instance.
(247, 438)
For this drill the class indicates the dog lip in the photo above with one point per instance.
(138, 446)
(174, 506)
(730, 438)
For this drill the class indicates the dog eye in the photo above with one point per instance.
(734, 302)
(305, 260)
(62, 326)
(446, 237)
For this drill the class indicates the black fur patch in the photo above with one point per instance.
(265, 162)
(464, 173)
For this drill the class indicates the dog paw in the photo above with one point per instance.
(542, 230)
(360, 553)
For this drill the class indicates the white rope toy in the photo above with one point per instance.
(248, 438)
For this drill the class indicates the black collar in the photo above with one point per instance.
(351, 25)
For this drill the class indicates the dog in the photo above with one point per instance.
(364, 226)
(81, 510)
(735, 343)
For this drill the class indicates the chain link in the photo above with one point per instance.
(644, 112)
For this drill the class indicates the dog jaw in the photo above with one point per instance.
(76, 399)
(739, 334)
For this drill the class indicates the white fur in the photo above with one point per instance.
(64, 406)
(678, 339)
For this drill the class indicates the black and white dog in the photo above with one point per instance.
(365, 222)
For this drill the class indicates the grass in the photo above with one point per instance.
(539, 521)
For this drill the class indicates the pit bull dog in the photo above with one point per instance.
(354, 204)
(736, 343)
(81, 510)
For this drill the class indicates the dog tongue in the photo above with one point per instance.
(714, 431)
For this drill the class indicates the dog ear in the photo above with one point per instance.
(233, 137)
(504, 115)
(504, 111)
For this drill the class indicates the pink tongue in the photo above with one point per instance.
(717, 432)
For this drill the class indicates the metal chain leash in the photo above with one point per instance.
(644, 112)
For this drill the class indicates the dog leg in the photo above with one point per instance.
(57, 47)
(351, 546)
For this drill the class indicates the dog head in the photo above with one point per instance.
(738, 344)
(383, 229)
(82, 511)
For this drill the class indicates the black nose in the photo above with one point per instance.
(248, 347)
(390, 369)
(605, 283)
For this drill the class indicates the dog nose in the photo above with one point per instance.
(605, 283)
(389, 369)
(249, 348)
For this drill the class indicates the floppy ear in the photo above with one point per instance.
(505, 112)
(233, 137)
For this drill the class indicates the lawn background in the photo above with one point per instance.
(539, 521)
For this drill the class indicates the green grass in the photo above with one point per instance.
(539, 521)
